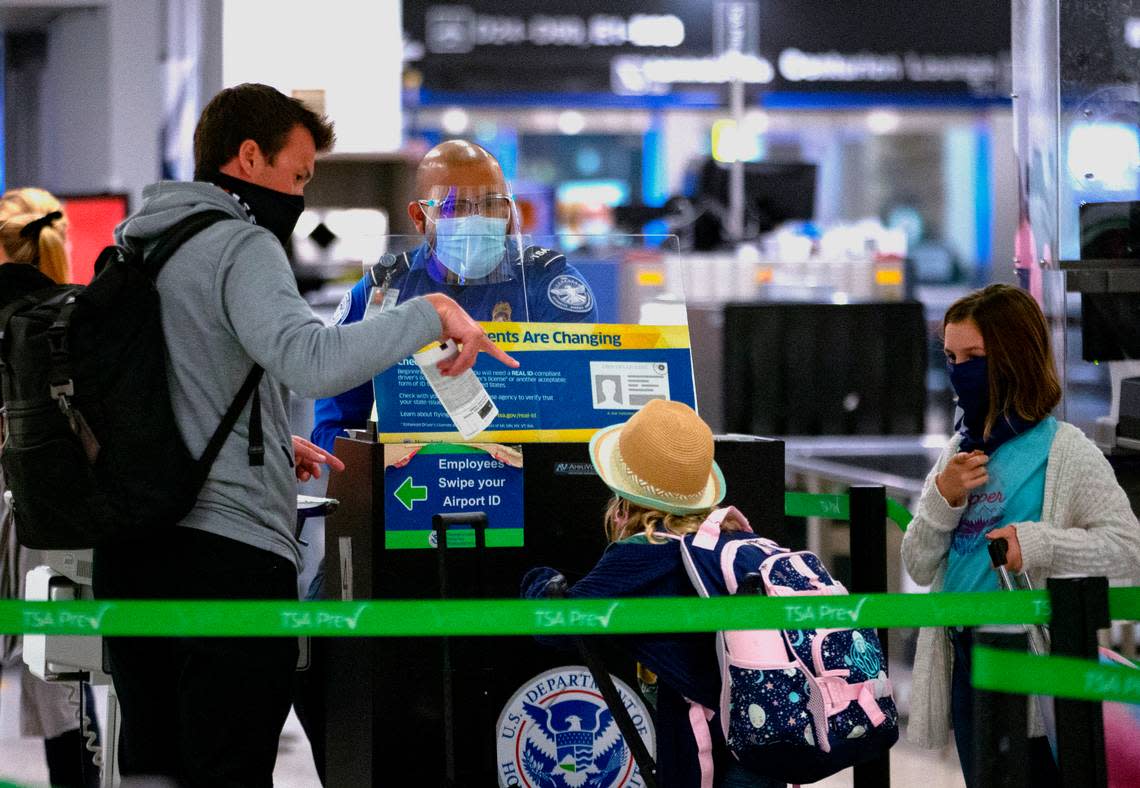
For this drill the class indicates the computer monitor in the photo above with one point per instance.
(774, 192)
(1110, 322)
(92, 219)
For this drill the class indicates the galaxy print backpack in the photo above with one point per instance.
(795, 705)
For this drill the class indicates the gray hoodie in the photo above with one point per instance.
(229, 301)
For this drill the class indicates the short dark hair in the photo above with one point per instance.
(252, 112)
(1023, 377)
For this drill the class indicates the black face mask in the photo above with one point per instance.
(276, 211)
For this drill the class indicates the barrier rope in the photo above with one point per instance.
(993, 669)
(438, 618)
(837, 507)
(1063, 677)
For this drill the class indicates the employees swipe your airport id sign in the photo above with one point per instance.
(444, 478)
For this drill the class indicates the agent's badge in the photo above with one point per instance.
(501, 313)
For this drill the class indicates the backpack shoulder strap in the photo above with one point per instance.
(556, 589)
(179, 234)
(170, 242)
(709, 533)
(256, 448)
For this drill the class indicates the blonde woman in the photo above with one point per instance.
(33, 231)
(660, 468)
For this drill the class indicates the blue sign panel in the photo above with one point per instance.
(446, 478)
(572, 381)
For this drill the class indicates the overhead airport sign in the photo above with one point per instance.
(658, 46)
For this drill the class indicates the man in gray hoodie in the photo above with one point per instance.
(208, 711)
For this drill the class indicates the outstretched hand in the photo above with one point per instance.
(309, 457)
(468, 334)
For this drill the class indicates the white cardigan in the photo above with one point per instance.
(1087, 528)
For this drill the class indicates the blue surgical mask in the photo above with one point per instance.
(471, 246)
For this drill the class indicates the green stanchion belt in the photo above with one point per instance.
(837, 507)
(1063, 677)
(435, 618)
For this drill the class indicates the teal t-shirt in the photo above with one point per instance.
(1014, 494)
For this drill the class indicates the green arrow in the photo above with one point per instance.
(408, 493)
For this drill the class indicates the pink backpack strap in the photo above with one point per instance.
(699, 718)
(709, 532)
(838, 694)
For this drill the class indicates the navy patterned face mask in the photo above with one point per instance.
(971, 382)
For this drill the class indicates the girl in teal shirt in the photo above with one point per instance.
(1012, 472)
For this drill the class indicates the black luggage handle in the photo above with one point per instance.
(440, 523)
(556, 589)
(998, 549)
(476, 520)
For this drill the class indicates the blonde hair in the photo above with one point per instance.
(47, 252)
(624, 519)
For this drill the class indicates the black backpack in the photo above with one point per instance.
(91, 451)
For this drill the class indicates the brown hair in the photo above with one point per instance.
(1022, 376)
(624, 519)
(46, 249)
(252, 112)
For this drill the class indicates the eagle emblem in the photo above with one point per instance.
(557, 732)
(575, 744)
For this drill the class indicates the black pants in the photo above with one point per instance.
(199, 711)
(309, 692)
(1043, 772)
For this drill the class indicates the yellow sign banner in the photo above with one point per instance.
(513, 337)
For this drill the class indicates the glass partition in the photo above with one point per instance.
(598, 325)
(1077, 113)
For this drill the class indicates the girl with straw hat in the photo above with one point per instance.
(660, 467)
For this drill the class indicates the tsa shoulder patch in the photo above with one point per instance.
(342, 309)
(569, 293)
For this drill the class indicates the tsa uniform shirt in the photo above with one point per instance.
(1015, 493)
(555, 293)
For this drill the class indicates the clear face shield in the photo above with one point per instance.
(472, 234)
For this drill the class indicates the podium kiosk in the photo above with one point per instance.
(386, 698)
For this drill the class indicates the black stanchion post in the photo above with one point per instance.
(1080, 608)
(868, 529)
(1001, 721)
(440, 523)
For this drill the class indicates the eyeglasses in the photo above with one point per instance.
(492, 206)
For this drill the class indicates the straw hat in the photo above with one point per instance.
(662, 458)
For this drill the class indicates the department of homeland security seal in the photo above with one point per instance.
(570, 293)
(556, 732)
